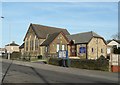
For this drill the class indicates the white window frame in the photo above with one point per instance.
(46, 49)
(58, 47)
(63, 47)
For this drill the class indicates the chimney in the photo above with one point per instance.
(13, 41)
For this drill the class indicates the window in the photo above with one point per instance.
(26, 45)
(36, 44)
(92, 50)
(31, 45)
(63, 47)
(58, 46)
(101, 50)
(46, 49)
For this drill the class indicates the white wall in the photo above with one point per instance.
(12, 48)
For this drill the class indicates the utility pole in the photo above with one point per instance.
(9, 42)
(9, 39)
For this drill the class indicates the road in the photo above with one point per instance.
(20, 72)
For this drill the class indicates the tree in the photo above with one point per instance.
(116, 36)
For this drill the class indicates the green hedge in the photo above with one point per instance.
(55, 61)
(15, 55)
(116, 50)
(100, 64)
(90, 64)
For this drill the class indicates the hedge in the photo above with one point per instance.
(100, 64)
(90, 64)
(15, 55)
(55, 61)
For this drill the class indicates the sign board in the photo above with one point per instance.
(115, 59)
(63, 54)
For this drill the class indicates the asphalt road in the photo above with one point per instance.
(16, 73)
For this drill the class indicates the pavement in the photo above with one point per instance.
(28, 72)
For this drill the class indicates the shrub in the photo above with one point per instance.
(99, 64)
(90, 64)
(116, 50)
(55, 61)
(40, 57)
(15, 55)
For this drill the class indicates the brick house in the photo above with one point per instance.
(87, 45)
(36, 35)
(55, 42)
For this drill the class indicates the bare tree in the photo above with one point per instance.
(116, 36)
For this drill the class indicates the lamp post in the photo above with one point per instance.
(9, 40)
(9, 44)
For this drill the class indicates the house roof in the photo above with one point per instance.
(83, 37)
(22, 46)
(118, 41)
(2, 49)
(12, 44)
(50, 38)
(42, 31)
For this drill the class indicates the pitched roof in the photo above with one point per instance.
(12, 44)
(50, 38)
(2, 49)
(42, 31)
(83, 37)
(118, 41)
(22, 46)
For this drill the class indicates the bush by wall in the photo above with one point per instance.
(90, 64)
(116, 50)
(55, 61)
(99, 64)
(15, 55)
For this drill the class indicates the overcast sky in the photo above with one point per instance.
(76, 17)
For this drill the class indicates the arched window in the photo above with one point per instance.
(92, 50)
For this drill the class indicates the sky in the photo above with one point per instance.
(76, 17)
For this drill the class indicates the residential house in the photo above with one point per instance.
(113, 57)
(12, 47)
(55, 42)
(110, 45)
(36, 35)
(87, 45)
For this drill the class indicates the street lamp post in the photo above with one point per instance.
(9, 40)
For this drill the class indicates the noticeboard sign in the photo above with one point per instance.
(115, 59)
(63, 54)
